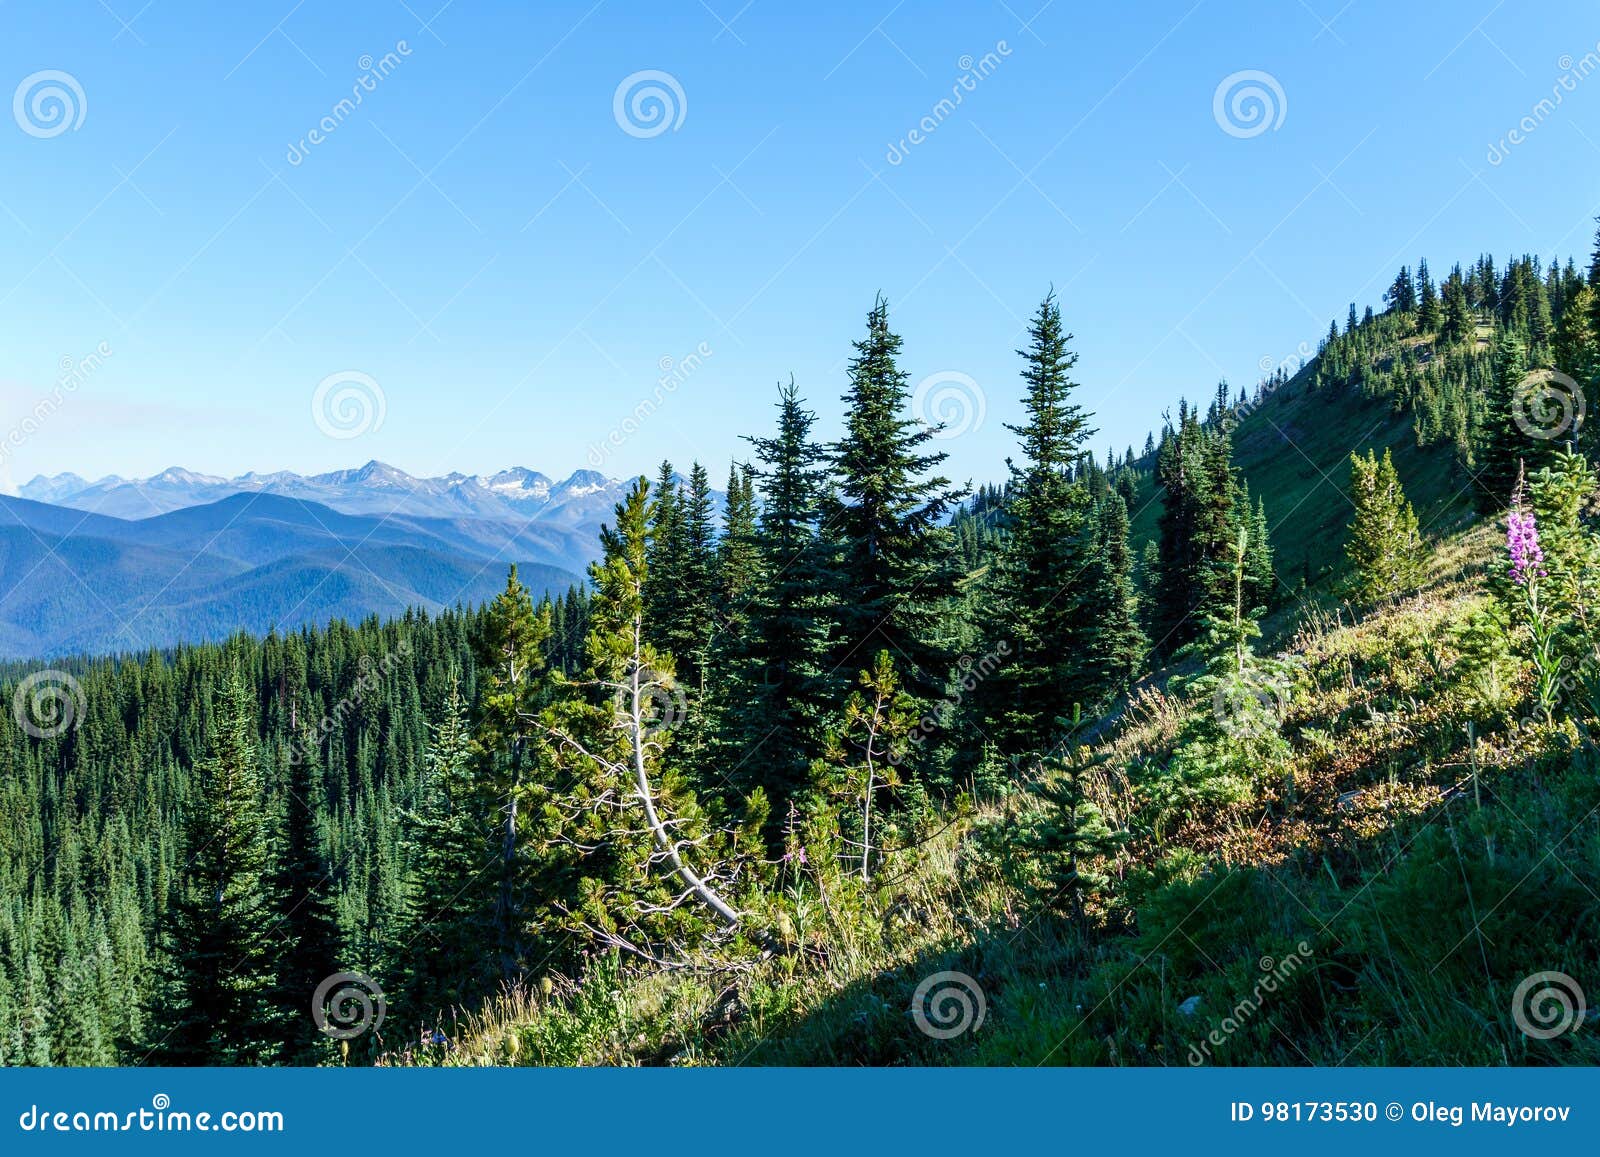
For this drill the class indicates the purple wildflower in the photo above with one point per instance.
(1522, 542)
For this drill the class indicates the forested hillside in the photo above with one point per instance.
(1272, 742)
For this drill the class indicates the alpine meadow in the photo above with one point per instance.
(823, 707)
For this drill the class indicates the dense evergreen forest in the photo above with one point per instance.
(722, 751)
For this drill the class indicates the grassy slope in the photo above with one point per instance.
(1294, 450)
(1409, 864)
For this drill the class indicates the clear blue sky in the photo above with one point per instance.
(485, 241)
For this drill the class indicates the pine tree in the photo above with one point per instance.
(782, 685)
(303, 887)
(896, 566)
(450, 903)
(645, 870)
(1114, 642)
(217, 1007)
(509, 649)
(701, 602)
(1385, 549)
(1429, 314)
(863, 754)
(1034, 601)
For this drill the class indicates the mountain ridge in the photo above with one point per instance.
(74, 581)
(376, 487)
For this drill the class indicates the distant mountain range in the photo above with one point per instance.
(125, 564)
(376, 488)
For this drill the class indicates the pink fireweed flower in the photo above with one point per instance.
(1522, 543)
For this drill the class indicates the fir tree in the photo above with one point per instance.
(1069, 834)
(1515, 437)
(450, 903)
(1034, 600)
(1429, 314)
(509, 650)
(646, 870)
(782, 685)
(896, 565)
(1385, 549)
(1114, 642)
(667, 595)
(1458, 323)
(1260, 576)
(303, 886)
(700, 598)
(217, 1007)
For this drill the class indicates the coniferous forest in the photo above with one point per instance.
(1270, 742)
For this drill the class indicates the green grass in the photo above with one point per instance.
(1294, 450)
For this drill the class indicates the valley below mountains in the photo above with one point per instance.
(121, 565)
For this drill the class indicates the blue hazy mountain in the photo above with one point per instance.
(376, 488)
(73, 580)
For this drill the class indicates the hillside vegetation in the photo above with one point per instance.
(1373, 893)
(1373, 878)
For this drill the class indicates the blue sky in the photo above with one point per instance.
(508, 265)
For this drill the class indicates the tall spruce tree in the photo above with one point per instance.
(667, 592)
(896, 570)
(509, 649)
(1385, 547)
(1114, 642)
(701, 601)
(1034, 601)
(782, 675)
(303, 887)
(451, 839)
(217, 1007)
